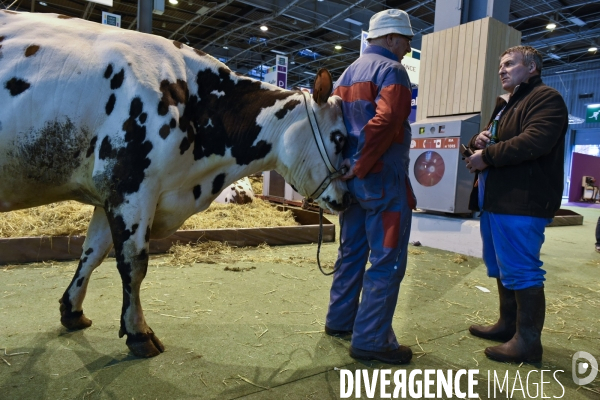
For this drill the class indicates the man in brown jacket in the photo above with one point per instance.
(518, 190)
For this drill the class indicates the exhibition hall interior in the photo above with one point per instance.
(238, 294)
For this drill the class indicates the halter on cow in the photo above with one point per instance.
(149, 131)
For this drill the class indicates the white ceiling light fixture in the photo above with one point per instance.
(551, 26)
(593, 47)
(554, 56)
(43, 4)
(338, 47)
(279, 52)
(173, 2)
(263, 28)
(576, 21)
(353, 21)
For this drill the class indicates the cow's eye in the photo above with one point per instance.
(339, 139)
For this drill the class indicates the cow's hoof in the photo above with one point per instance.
(73, 321)
(145, 345)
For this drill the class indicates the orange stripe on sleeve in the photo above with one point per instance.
(366, 91)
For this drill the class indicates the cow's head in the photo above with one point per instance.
(314, 147)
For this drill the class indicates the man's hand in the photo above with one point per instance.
(475, 162)
(350, 174)
(483, 139)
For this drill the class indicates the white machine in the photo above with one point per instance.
(439, 177)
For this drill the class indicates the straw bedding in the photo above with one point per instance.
(71, 218)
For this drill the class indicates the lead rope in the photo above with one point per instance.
(339, 261)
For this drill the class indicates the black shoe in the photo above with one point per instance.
(336, 333)
(402, 355)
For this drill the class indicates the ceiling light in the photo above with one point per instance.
(338, 47)
(310, 73)
(550, 26)
(263, 28)
(279, 52)
(225, 47)
(593, 49)
(353, 21)
(43, 4)
(173, 1)
(554, 56)
(576, 21)
(565, 70)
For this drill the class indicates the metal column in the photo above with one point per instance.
(144, 15)
(451, 13)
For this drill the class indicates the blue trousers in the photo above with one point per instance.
(376, 228)
(511, 249)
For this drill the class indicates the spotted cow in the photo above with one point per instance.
(239, 192)
(149, 131)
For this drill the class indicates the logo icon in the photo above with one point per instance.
(589, 366)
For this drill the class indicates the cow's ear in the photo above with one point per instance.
(323, 86)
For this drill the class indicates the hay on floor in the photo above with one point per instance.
(72, 218)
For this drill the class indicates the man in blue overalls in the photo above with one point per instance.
(376, 94)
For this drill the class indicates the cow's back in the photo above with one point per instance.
(65, 84)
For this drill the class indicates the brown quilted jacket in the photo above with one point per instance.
(526, 166)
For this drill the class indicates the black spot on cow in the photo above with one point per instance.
(110, 104)
(173, 123)
(61, 16)
(108, 72)
(224, 113)
(16, 86)
(134, 228)
(164, 131)
(289, 106)
(89, 251)
(217, 184)
(199, 52)
(1, 38)
(184, 145)
(147, 235)
(45, 155)
(172, 95)
(131, 160)
(143, 118)
(117, 80)
(177, 44)
(31, 50)
(106, 149)
(197, 192)
(80, 281)
(84, 260)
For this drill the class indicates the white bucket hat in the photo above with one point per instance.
(390, 21)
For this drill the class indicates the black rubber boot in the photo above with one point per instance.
(506, 327)
(526, 345)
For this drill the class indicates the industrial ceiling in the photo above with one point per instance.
(308, 31)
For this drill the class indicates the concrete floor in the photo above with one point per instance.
(258, 334)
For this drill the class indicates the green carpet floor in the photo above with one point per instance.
(257, 333)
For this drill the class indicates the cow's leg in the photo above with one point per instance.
(131, 235)
(97, 245)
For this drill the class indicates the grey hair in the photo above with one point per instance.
(529, 54)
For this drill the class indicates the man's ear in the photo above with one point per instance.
(532, 67)
(323, 86)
